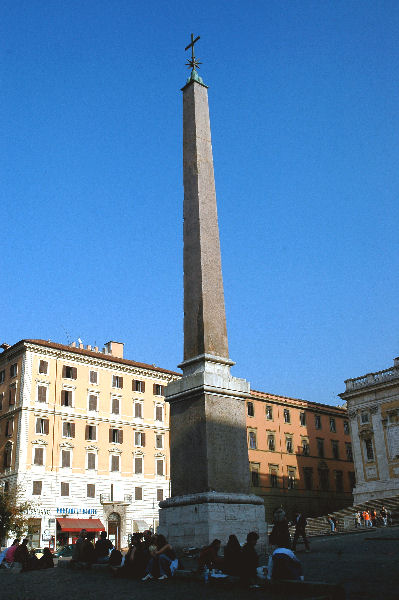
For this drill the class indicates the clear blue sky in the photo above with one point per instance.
(304, 114)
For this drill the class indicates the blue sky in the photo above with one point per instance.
(304, 114)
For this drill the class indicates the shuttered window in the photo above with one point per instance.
(66, 398)
(64, 488)
(138, 410)
(7, 457)
(11, 396)
(159, 465)
(91, 460)
(91, 490)
(43, 367)
(138, 386)
(69, 372)
(42, 426)
(159, 441)
(68, 429)
(1, 400)
(138, 464)
(42, 393)
(38, 456)
(158, 413)
(138, 493)
(139, 438)
(159, 495)
(117, 382)
(10, 428)
(115, 406)
(158, 390)
(114, 462)
(37, 488)
(91, 432)
(66, 458)
(13, 370)
(93, 377)
(116, 436)
(92, 402)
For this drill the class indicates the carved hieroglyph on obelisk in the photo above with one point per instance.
(209, 454)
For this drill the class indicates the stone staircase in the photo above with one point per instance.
(346, 517)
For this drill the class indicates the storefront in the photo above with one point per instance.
(68, 529)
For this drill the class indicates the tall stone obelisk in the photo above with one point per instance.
(209, 455)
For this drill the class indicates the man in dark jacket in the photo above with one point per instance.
(22, 554)
(300, 530)
(250, 560)
(102, 548)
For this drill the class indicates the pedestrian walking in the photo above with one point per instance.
(384, 516)
(300, 531)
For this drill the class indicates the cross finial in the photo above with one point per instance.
(193, 63)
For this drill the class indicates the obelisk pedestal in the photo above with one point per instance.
(209, 454)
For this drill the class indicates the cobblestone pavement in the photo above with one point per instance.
(365, 563)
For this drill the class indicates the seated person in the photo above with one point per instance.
(283, 564)
(209, 557)
(87, 553)
(46, 560)
(250, 561)
(22, 555)
(9, 558)
(232, 556)
(102, 548)
(163, 560)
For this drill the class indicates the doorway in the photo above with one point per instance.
(114, 529)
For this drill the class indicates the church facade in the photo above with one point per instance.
(373, 409)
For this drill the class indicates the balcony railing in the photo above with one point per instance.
(106, 499)
(372, 378)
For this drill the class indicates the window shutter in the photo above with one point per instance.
(158, 413)
(159, 467)
(64, 429)
(74, 373)
(91, 490)
(91, 460)
(111, 435)
(38, 460)
(115, 406)
(46, 426)
(64, 459)
(63, 398)
(73, 430)
(120, 436)
(143, 439)
(37, 425)
(92, 402)
(159, 495)
(64, 371)
(12, 396)
(154, 388)
(138, 493)
(93, 376)
(114, 463)
(41, 393)
(37, 488)
(121, 382)
(138, 465)
(87, 432)
(7, 457)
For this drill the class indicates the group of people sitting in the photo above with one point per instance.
(86, 552)
(18, 554)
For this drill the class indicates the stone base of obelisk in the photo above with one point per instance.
(195, 520)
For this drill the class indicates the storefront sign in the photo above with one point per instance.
(76, 511)
(38, 512)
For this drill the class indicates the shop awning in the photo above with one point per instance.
(76, 525)
(140, 526)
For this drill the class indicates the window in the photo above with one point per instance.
(305, 447)
(68, 429)
(115, 406)
(159, 495)
(291, 478)
(158, 412)
(69, 372)
(320, 447)
(116, 436)
(159, 463)
(66, 398)
(271, 442)
(66, 459)
(158, 390)
(273, 476)
(13, 370)
(339, 481)
(333, 428)
(42, 393)
(91, 432)
(38, 456)
(91, 490)
(93, 377)
(308, 477)
(335, 449)
(252, 440)
(289, 444)
(287, 417)
(346, 427)
(9, 427)
(1, 400)
(369, 449)
(159, 441)
(302, 418)
(255, 474)
(323, 479)
(37, 488)
(117, 382)
(93, 402)
(138, 386)
(138, 493)
(269, 413)
(114, 462)
(349, 453)
(2, 376)
(352, 479)
(364, 417)
(7, 457)
(64, 488)
(91, 460)
(139, 439)
(317, 421)
(42, 426)
(250, 409)
(11, 395)
(138, 410)
(138, 465)
(43, 367)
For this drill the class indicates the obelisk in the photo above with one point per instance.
(209, 455)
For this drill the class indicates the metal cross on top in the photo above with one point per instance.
(193, 63)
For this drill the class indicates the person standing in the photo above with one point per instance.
(384, 516)
(300, 531)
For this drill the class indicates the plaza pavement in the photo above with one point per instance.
(365, 563)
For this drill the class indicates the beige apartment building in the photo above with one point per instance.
(85, 435)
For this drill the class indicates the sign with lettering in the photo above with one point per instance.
(76, 511)
(38, 512)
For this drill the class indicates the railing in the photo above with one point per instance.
(372, 378)
(106, 498)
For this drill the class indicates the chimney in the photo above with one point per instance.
(114, 348)
(95, 348)
(7, 346)
(73, 345)
(88, 347)
(81, 346)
